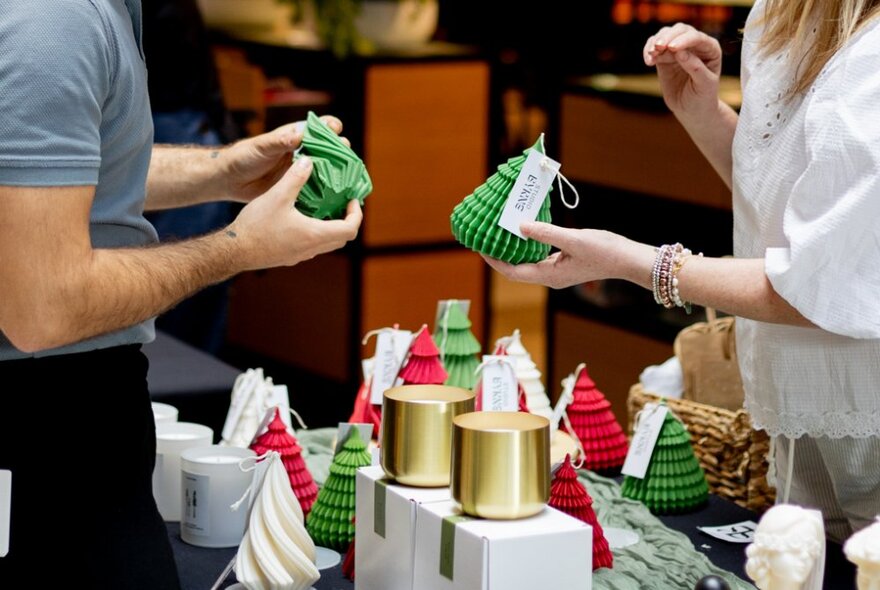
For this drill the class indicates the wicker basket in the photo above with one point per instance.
(732, 453)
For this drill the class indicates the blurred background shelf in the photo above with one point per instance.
(398, 108)
(432, 121)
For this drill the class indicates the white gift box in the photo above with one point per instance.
(456, 552)
(385, 525)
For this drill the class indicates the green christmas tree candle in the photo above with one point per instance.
(458, 346)
(330, 521)
(674, 482)
(338, 176)
(475, 220)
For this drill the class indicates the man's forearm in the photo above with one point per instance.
(184, 175)
(116, 288)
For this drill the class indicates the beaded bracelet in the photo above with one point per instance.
(670, 259)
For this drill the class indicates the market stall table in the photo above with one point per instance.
(671, 554)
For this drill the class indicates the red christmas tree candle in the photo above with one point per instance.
(602, 437)
(364, 412)
(424, 366)
(569, 496)
(277, 438)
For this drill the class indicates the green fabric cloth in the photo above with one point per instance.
(663, 559)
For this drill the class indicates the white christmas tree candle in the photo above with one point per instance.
(529, 376)
(276, 552)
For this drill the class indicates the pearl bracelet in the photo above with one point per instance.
(670, 259)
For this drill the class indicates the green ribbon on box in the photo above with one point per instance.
(447, 543)
(380, 493)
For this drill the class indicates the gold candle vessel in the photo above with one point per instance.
(501, 464)
(416, 442)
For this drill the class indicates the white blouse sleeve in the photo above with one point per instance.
(830, 271)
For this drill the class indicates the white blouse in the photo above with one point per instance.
(806, 198)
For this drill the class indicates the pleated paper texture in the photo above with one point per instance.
(675, 481)
(529, 377)
(330, 521)
(570, 496)
(597, 428)
(338, 176)
(424, 366)
(459, 347)
(277, 438)
(475, 220)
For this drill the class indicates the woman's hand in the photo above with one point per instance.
(689, 66)
(584, 255)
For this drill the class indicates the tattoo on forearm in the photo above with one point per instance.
(231, 233)
(215, 154)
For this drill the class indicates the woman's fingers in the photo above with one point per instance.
(667, 34)
(696, 68)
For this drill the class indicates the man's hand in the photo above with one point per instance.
(252, 166)
(272, 232)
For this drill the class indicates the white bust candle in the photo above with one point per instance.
(211, 482)
(172, 438)
(863, 549)
(789, 550)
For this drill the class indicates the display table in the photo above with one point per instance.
(663, 559)
(196, 383)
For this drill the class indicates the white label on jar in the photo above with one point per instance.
(5, 509)
(196, 504)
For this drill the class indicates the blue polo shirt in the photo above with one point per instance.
(74, 111)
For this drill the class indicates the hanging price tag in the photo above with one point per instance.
(565, 399)
(5, 509)
(391, 348)
(529, 191)
(500, 388)
(644, 440)
(278, 395)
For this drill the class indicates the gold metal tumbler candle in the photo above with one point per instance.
(501, 464)
(416, 442)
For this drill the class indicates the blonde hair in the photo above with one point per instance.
(791, 24)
